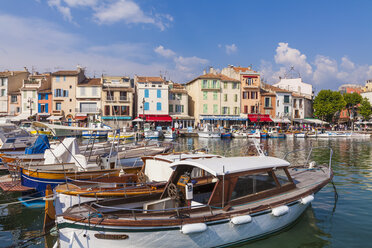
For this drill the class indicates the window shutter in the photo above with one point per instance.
(39, 96)
(39, 107)
(46, 108)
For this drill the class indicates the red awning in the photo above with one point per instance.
(259, 118)
(81, 118)
(249, 76)
(157, 118)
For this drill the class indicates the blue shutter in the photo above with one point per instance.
(46, 96)
(158, 106)
(46, 108)
(147, 106)
(159, 93)
(146, 93)
(67, 93)
(39, 96)
(39, 107)
(55, 92)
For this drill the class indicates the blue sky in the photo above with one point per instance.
(328, 42)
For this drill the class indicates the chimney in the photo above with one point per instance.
(204, 72)
(25, 68)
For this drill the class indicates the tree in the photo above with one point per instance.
(327, 103)
(365, 109)
(352, 100)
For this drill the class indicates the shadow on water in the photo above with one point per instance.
(349, 226)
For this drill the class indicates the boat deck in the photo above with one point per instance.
(308, 181)
(7, 184)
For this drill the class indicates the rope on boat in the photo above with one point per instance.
(33, 199)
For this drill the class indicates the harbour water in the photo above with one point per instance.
(330, 221)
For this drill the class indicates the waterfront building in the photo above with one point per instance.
(10, 84)
(268, 101)
(45, 98)
(368, 86)
(302, 106)
(152, 102)
(88, 100)
(250, 81)
(348, 88)
(296, 85)
(117, 100)
(215, 98)
(64, 93)
(178, 105)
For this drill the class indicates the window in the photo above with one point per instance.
(178, 108)
(235, 97)
(57, 93)
(82, 91)
(107, 110)
(146, 93)
(158, 106)
(123, 96)
(254, 95)
(65, 93)
(225, 110)
(171, 96)
(267, 102)
(252, 110)
(88, 107)
(300, 103)
(286, 99)
(245, 109)
(225, 97)
(13, 99)
(205, 84)
(294, 103)
(158, 93)
(214, 84)
(235, 86)
(179, 96)
(225, 85)
(110, 96)
(215, 109)
(245, 95)
(252, 184)
(58, 106)
(43, 97)
(277, 103)
(182, 109)
(286, 109)
(115, 110)
(205, 95)
(236, 110)
(57, 79)
(170, 107)
(214, 95)
(94, 91)
(205, 108)
(281, 176)
(249, 81)
(147, 106)
(64, 78)
(124, 110)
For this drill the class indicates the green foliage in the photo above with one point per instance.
(365, 109)
(327, 103)
(352, 99)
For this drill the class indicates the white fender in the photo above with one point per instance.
(307, 199)
(242, 219)
(193, 228)
(279, 211)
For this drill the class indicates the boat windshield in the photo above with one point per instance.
(13, 131)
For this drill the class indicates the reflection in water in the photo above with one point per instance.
(349, 226)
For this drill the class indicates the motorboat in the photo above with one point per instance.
(301, 135)
(96, 134)
(274, 132)
(13, 138)
(225, 134)
(121, 134)
(241, 199)
(149, 133)
(151, 179)
(68, 131)
(209, 132)
(239, 134)
(330, 134)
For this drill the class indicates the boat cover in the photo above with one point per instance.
(64, 152)
(40, 145)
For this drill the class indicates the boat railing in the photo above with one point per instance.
(309, 154)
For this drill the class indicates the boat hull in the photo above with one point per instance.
(209, 135)
(217, 234)
(89, 134)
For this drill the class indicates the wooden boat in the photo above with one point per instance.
(121, 135)
(151, 179)
(274, 132)
(96, 134)
(225, 134)
(13, 138)
(246, 198)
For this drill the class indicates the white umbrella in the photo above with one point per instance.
(138, 120)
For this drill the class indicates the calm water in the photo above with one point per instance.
(327, 223)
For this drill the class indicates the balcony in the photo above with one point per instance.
(123, 99)
(58, 112)
(91, 110)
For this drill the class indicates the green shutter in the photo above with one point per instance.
(218, 84)
(205, 108)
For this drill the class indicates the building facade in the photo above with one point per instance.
(214, 98)
(178, 105)
(10, 84)
(88, 100)
(64, 85)
(152, 102)
(117, 101)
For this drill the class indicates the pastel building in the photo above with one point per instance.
(45, 100)
(117, 101)
(152, 102)
(10, 95)
(348, 88)
(178, 105)
(88, 100)
(64, 85)
(214, 98)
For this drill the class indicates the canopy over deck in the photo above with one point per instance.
(52, 127)
(222, 166)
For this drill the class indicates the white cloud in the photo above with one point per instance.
(167, 53)
(326, 72)
(230, 49)
(65, 11)
(292, 57)
(76, 3)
